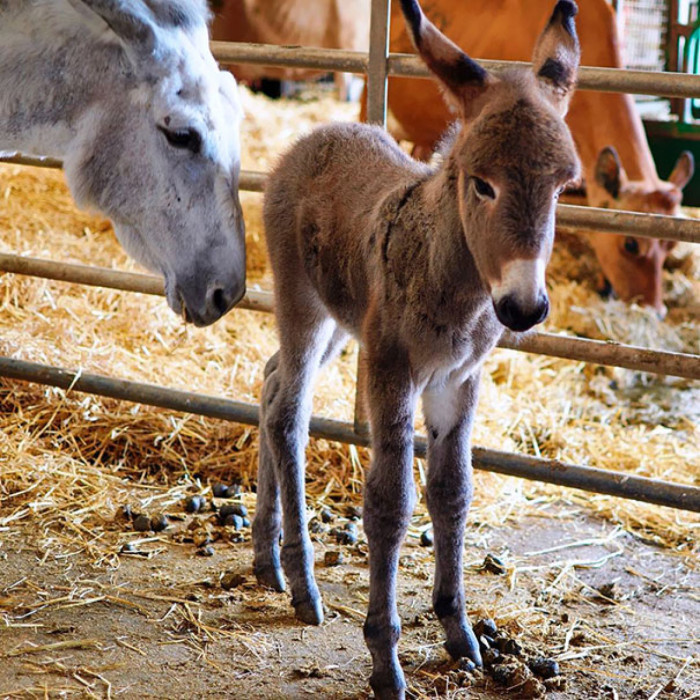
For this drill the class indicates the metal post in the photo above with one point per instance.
(377, 73)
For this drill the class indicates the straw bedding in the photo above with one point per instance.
(72, 458)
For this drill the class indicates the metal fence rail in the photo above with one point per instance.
(548, 470)
(378, 64)
(579, 349)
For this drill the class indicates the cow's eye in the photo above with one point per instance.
(187, 138)
(631, 246)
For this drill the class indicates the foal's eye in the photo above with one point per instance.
(187, 138)
(483, 189)
(631, 246)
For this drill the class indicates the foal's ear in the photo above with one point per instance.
(132, 22)
(557, 55)
(463, 79)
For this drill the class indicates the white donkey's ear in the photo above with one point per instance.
(464, 80)
(557, 55)
(131, 22)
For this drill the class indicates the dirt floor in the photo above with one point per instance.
(146, 616)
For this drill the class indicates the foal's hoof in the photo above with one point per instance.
(309, 611)
(466, 646)
(271, 577)
(394, 689)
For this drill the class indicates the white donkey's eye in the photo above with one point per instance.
(483, 189)
(187, 138)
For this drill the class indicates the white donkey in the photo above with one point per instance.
(127, 93)
(426, 267)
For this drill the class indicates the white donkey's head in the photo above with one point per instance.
(161, 158)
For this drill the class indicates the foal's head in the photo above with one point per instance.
(514, 155)
(158, 150)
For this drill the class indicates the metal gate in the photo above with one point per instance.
(377, 65)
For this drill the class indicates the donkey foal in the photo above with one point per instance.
(425, 266)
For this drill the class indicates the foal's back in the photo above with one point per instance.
(342, 180)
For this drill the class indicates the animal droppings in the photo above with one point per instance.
(346, 535)
(327, 515)
(159, 522)
(316, 527)
(142, 523)
(233, 520)
(494, 565)
(220, 490)
(465, 664)
(124, 513)
(544, 667)
(195, 503)
(490, 656)
(354, 512)
(485, 642)
(229, 581)
(486, 626)
(333, 558)
(232, 509)
(426, 537)
(206, 551)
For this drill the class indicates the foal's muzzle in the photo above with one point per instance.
(518, 318)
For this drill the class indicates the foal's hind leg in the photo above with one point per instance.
(285, 413)
(268, 515)
(449, 416)
(268, 512)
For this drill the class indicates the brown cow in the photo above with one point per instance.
(329, 24)
(486, 28)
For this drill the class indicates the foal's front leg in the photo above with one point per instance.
(389, 501)
(449, 414)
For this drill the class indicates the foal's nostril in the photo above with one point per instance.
(512, 315)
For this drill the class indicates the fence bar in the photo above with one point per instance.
(624, 223)
(635, 82)
(674, 228)
(583, 350)
(377, 65)
(603, 481)
(110, 279)
(376, 114)
(605, 352)
(341, 60)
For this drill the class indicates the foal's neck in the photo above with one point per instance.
(451, 262)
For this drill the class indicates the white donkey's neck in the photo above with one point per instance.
(51, 63)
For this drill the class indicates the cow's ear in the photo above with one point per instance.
(462, 78)
(683, 170)
(557, 55)
(608, 172)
